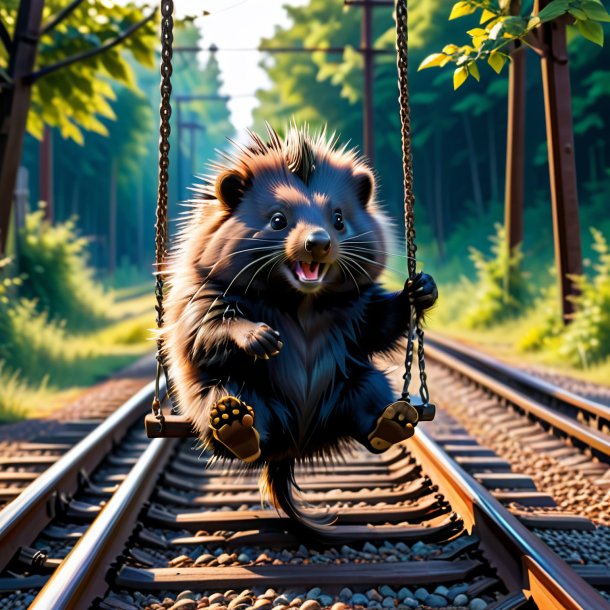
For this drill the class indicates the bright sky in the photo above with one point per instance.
(239, 24)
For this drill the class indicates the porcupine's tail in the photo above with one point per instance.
(276, 484)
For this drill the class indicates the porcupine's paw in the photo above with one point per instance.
(395, 424)
(262, 341)
(422, 291)
(232, 423)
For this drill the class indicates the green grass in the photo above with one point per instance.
(504, 339)
(55, 364)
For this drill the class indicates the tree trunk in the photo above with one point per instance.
(14, 106)
(562, 164)
(46, 173)
(515, 150)
(474, 167)
(493, 158)
(438, 195)
(112, 228)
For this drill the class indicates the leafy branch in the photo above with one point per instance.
(499, 29)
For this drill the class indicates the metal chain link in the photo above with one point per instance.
(161, 226)
(415, 329)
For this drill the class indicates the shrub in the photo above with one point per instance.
(545, 322)
(500, 290)
(586, 340)
(53, 259)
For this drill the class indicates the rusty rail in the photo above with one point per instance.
(503, 380)
(39, 502)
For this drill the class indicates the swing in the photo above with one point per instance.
(160, 424)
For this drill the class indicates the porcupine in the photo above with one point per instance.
(274, 309)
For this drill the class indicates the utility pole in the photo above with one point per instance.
(515, 143)
(562, 165)
(14, 105)
(368, 55)
(46, 172)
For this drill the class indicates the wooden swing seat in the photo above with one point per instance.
(174, 426)
(180, 426)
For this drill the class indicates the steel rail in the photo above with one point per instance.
(81, 576)
(29, 513)
(523, 561)
(597, 442)
(572, 401)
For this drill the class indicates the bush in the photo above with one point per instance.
(545, 322)
(500, 291)
(53, 259)
(586, 340)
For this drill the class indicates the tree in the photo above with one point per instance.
(508, 27)
(56, 59)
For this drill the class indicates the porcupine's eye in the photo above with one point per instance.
(338, 220)
(278, 221)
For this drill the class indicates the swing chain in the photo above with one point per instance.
(161, 229)
(415, 328)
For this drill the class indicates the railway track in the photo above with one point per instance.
(123, 522)
(585, 422)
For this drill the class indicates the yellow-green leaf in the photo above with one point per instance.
(595, 11)
(592, 31)
(486, 15)
(533, 22)
(495, 31)
(474, 71)
(578, 13)
(477, 32)
(449, 49)
(436, 59)
(459, 77)
(460, 9)
(496, 61)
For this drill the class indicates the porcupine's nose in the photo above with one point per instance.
(318, 244)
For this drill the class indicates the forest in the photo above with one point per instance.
(104, 148)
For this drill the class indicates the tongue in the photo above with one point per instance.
(310, 270)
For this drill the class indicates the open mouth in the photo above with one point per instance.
(310, 272)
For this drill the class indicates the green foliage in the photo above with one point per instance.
(544, 327)
(586, 340)
(500, 290)
(17, 398)
(79, 96)
(500, 28)
(58, 279)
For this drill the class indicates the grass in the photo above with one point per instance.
(502, 341)
(59, 365)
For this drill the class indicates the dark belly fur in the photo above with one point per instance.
(318, 390)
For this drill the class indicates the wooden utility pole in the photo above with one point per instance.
(515, 143)
(562, 165)
(14, 105)
(46, 172)
(112, 219)
(366, 43)
(368, 55)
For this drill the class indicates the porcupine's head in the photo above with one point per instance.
(297, 213)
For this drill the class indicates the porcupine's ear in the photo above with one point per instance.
(365, 185)
(230, 189)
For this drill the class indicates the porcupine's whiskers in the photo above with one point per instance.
(344, 267)
(274, 260)
(210, 273)
(370, 261)
(239, 273)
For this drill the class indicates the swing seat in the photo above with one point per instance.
(180, 426)
(174, 426)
